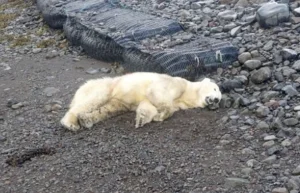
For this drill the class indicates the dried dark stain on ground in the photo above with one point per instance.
(19, 158)
(178, 155)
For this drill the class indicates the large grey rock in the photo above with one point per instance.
(280, 190)
(235, 31)
(290, 121)
(244, 57)
(289, 54)
(50, 91)
(296, 171)
(294, 183)
(235, 182)
(252, 64)
(296, 65)
(262, 111)
(228, 15)
(269, 45)
(272, 13)
(290, 90)
(261, 75)
(297, 12)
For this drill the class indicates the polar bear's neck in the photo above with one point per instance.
(189, 99)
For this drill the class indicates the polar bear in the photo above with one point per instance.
(153, 96)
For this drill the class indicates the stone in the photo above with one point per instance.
(227, 15)
(242, 3)
(268, 144)
(277, 124)
(289, 54)
(270, 159)
(247, 171)
(235, 31)
(159, 168)
(261, 75)
(280, 190)
(92, 70)
(262, 125)
(252, 163)
(290, 121)
(273, 150)
(290, 90)
(294, 183)
(287, 71)
(229, 85)
(269, 45)
(268, 95)
(105, 70)
(252, 64)
(2, 139)
(207, 10)
(216, 29)
(36, 50)
(50, 91)
(272, 14)
(4, 66)
(244, 57)
(51, 55)
(229, 26)
(17, 106)
(296, 65)
(196, 6)
(286, 143)
(269, 137)
(56, 107)
(226, 101)
(296, 171)
(297, 108)
(235, 182)
(262, 111)
(297, 12)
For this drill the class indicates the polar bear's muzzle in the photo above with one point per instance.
(211, 100)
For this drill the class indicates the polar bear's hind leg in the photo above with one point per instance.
(89, 97)
(110, 109)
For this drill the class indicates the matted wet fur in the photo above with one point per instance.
(153, 96)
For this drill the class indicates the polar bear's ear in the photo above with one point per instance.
(206, 80)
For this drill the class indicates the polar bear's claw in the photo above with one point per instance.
(141, 119)
(145, 113)
(70, 122)
(85, 121)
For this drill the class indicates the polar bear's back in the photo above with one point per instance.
(132, 88)
(97, 88)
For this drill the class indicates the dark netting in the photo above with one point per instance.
(110, 33)
(53, 12)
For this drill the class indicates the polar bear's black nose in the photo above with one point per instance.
(216, 100)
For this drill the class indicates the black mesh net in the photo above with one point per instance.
(138, 40)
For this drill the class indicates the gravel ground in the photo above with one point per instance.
(252, 146)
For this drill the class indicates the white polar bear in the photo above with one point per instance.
(153, 96)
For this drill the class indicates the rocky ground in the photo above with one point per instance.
(251, 144)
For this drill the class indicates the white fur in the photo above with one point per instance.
(153, 96)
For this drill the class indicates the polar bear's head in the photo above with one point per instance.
(210, 94)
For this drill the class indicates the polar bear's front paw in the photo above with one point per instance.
(142, 118)
(85, 121)
(163, 114)
(70, 121)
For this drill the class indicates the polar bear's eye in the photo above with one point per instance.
(215, 89)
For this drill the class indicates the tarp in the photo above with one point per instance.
(111, 33)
